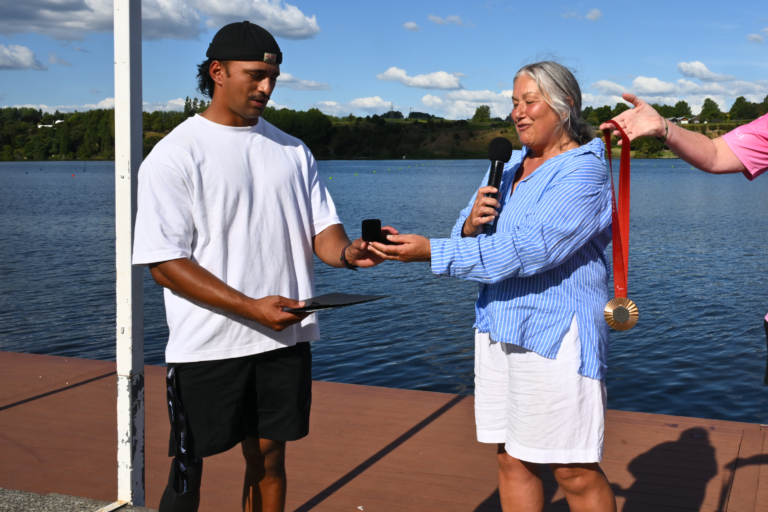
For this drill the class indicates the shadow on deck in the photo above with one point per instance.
(377, 449)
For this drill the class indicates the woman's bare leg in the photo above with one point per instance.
(585, 487)
(520, 484)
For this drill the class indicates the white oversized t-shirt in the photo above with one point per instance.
(244, 203)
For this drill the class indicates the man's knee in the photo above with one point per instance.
(264, 455)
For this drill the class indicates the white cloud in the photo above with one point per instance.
(607, 87)
(765, 30)
(332, 108)
(106, 103)
(15, 56)
(288, 80)
(462, 104)
(277, 16)
(161, 19)
(755, 38)
(594, 15)
(177, 104)
(569, 14)
(53, 59)
(698, 70)
(436, 80)
(370, 105)
(455, 20)
(653, 90)
(592, 100)
(411, 25)
(646, 85)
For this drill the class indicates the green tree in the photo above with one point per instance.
(7, 152)
(602, 114)
(482, 114)
(682, 109)
(743, 109)
(618, 109)
(762, 107)
(710, 110)
(664, 110)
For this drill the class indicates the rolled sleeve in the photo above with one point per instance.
(570, 216)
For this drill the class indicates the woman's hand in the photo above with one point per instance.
(409, 248)
(641, 121)
(360, 253)
(483, 212)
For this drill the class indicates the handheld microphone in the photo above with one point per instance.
(499, 153)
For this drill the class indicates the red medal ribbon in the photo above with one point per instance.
(620, 213)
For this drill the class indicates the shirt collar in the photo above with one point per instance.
(595, 146)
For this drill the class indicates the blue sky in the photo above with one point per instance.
(442, 57)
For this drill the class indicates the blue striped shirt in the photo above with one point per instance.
(544, 259)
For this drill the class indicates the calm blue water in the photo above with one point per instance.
(697, 271)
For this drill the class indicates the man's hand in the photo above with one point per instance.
(329, 243)
(641, 121)
(409, 248)
(268, 311)
(359, 253)
(483, 212)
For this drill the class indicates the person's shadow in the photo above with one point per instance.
(651, 471)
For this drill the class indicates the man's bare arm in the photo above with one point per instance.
(709, 155)
(188, 279)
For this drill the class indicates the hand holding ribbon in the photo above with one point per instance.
(620, 312)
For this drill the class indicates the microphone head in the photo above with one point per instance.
(372, 230)
(500, 149)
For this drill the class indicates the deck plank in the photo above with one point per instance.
(377, 448)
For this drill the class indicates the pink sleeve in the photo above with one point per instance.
(750, 145)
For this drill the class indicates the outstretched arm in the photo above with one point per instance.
(709, 155)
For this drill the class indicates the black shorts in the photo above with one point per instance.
(265, 396)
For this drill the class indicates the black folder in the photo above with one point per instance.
(333, 300)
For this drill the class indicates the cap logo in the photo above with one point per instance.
(270, 58)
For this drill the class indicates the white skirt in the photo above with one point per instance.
(541, 409)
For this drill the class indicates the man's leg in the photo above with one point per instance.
(520, 484)
(265, 480)
(585, 487)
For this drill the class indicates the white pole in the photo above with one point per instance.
(130, 289)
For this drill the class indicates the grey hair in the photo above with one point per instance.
(557, 84)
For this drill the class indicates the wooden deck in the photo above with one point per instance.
(373, 449)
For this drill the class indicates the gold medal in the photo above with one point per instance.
(621, 314)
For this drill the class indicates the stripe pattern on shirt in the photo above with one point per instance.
(543, 260)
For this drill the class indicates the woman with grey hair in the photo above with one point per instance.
(538, 253)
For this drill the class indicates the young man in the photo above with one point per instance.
(231, 210)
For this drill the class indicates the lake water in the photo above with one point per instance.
(697, 271)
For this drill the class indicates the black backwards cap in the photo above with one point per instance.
(244, 41)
